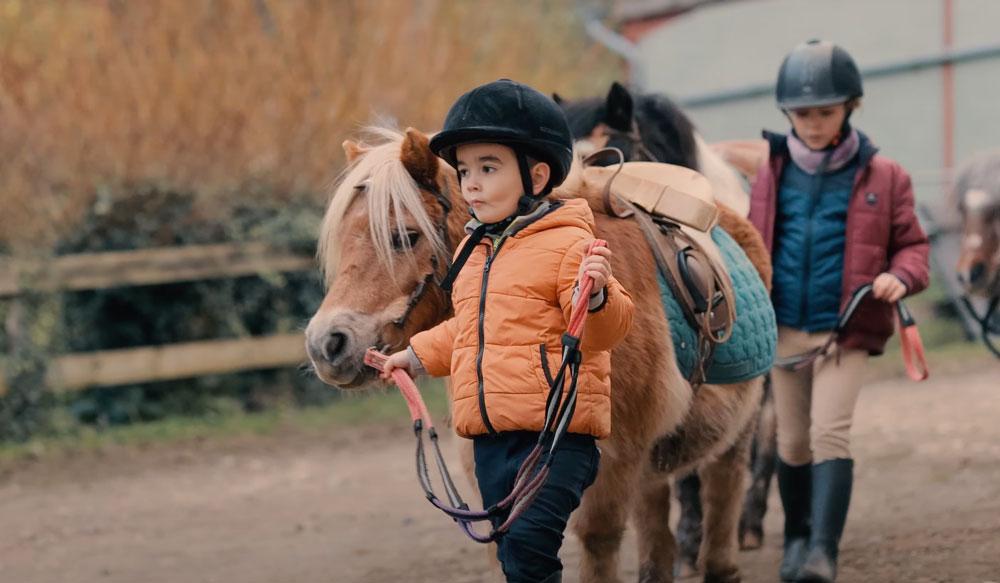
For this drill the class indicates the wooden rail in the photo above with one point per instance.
(146, 267)
(173, 361)
(150, 267)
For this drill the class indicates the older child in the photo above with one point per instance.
(513, 297)
(836, 215)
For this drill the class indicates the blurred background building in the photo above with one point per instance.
(206, 135)
(928, 66)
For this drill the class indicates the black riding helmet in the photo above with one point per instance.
(513, 114)
(817, 73)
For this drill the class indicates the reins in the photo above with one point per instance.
(912, 346)
(533, 471)
(984, 321)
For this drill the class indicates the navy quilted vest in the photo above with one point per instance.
(809, 237)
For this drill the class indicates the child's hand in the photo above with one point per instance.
(398, 360)
(597, 266)
(887, 287)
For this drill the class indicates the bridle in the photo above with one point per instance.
(429, 278)
(985, 320)
(986, 327)
(640, 152)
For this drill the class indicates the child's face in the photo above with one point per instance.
(818, 126)
(491, 180)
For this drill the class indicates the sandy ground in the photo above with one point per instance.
(347, 508)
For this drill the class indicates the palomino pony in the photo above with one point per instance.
(978, 190)
(385, 242)
(651, 127)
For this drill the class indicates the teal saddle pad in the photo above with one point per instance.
(750, 350)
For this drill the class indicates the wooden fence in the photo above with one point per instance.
(87, 271)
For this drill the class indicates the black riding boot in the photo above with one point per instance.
(794, 483)
(831, 496)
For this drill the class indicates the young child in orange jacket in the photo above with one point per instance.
(513, 297)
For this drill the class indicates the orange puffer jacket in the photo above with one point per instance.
(495, 347)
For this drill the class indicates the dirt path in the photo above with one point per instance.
(290, 509)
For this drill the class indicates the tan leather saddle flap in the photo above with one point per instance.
(673, 192)
(682, 196)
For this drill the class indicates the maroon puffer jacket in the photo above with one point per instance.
(883, 234)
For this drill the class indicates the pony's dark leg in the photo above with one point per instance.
(600, 521)
(652, 521)
(763, 454)
(723, 483)
(688, 525)
(719, 423)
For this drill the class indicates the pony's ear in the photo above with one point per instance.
(557, 98)
(417, 157)
(353, 150)
(618, 108)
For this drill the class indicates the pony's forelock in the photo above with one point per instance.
(981, 173)
(390, 194)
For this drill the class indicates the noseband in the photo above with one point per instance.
(988, 328)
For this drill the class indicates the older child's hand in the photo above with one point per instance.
(398, 360)
(597, 266)
(887, 287)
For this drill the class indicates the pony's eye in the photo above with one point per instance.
(407, 241)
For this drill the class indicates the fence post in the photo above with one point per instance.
(29, 326)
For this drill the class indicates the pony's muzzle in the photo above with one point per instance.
(330, 347)
(336, 347)
(974, 277)
(333, 346)
(977, 272)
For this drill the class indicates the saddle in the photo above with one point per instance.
(675, 208)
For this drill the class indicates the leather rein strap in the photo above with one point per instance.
(912, 346)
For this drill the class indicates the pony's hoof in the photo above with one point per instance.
(685, 570)
(751, 540)
(730, 575)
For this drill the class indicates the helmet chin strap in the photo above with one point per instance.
(527, 202)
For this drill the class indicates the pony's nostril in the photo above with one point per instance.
(334, 346)
(976, 272)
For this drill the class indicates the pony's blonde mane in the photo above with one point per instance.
(390, 193)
